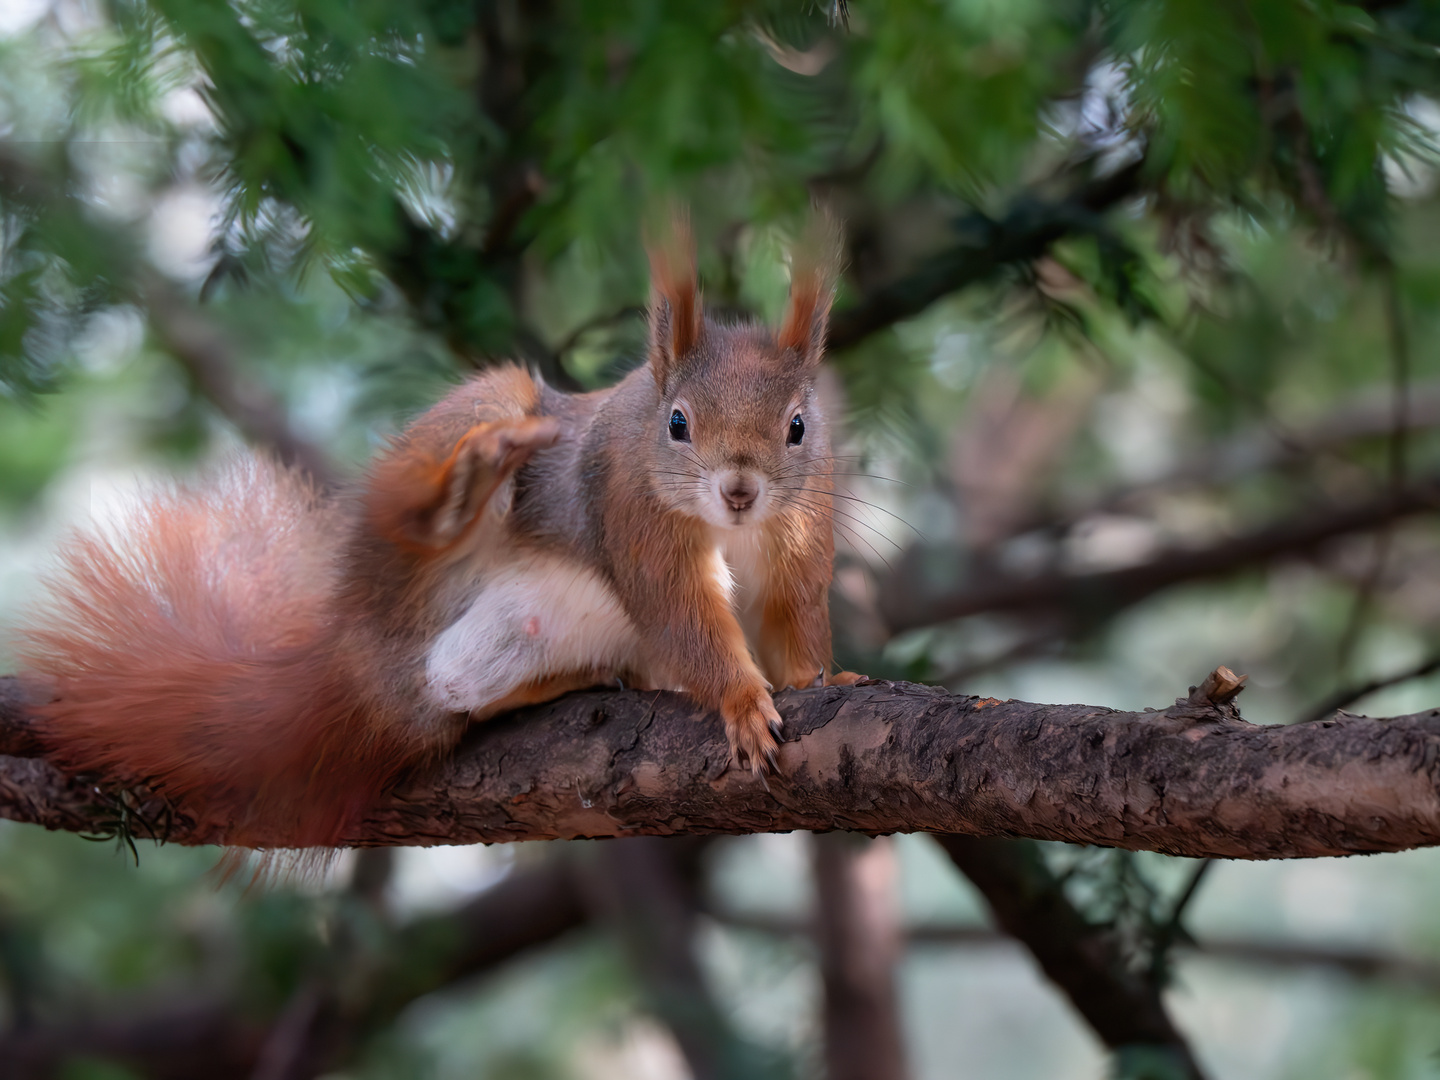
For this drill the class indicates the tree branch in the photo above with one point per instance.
(882, 757)
(1260, 448)
(857, 932)
(907, 604)
(1247, 952)
(200, 1034)
(984, 246)
(638, 891)
(208, 357)
(317, 1023)
(191, 338)
(1347, 695)
(1084, 960)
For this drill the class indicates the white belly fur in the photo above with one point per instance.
(535, 617)
(741, 555)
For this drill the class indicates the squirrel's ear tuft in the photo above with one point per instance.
(675, 313)
(814, 267)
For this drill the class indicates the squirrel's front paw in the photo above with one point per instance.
(844, 678)
(751, 724)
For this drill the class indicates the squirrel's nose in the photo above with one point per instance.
(740, 490)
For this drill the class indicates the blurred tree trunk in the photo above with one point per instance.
(640, 890)
(857, 928)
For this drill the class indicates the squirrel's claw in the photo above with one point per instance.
(751, 725)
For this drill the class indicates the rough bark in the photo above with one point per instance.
(880, 757)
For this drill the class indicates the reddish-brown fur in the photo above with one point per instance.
(219, 648)
(260, 654)
(152, 642)
(427, 506)
(814, 262)
(658, 553)
(676, 322)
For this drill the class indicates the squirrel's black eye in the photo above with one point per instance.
(797, 431)
(679, 427)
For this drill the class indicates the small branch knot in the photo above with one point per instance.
(1220, 687)
(1212, 699)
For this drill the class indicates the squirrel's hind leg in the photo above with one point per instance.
(539, 690)
(538, 626)
(429, 505)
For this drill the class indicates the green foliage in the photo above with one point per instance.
(33, 445)
(84, 1068)
(1147, 1063)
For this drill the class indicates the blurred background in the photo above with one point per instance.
(1137, 351)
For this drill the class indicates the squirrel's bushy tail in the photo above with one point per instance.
(193, 648)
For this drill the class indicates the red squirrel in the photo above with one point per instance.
(273, 659)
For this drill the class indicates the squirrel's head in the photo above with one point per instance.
(739, 433)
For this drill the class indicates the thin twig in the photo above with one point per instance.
(210, 359)
(985, 246)
(858, 941)
(1191, 888)
(1400, 376)
(1259, 449)
(1172, 931)
(908, 603)
(630, 311)
(1085, 960)
(313, 1025)
(1247, 952)
(1364, 598)
(1346, 695)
